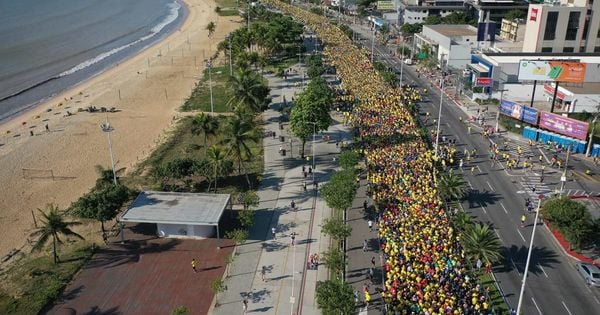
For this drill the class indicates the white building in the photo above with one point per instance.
(563, 26)
(451, 43)
(179, 215)
(416, 11)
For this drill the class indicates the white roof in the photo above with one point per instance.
(176, 208)
(496, 60)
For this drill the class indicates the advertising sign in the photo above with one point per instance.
(483, 81)
(554, 71)
(512, 109)
(564, 126)
(385, 5)
(530, 115)
(533, 15)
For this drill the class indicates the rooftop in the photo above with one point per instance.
(585, 88)
(453, 30)
(176, 208)
(499, 58)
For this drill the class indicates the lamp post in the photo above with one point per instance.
(313, 148)
(537, 213)
(437, 133)
(209, 66)
(107, 128)
(497, 129)
(590, 142)
(401, 65)
(373, 43)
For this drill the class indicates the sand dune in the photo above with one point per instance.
(146, 89)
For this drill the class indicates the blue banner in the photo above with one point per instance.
(530, 115)
(511, 109)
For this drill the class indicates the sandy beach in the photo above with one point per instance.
(146, 90)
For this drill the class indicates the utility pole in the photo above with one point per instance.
(499, 106)
(563, 177)
(537, 213)
(590, 142)
(373, 44)
(437, 134)
(209, 66)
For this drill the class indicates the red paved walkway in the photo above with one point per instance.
(146, 276)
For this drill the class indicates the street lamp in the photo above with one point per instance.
(497, 129)
(373, 42)
(107, 128)
(209, 66)
(537, 213)
(590, 142)
(313, 147)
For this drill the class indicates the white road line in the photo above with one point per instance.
(565, 305)
(521, 236)
(468, 182)
(489, 185)
(515, 265)
(482, 207)
(479, 169)
(536, 306)
(503, 208)
(544, 271)
(498, 234)
(596, 300)
(569, 193)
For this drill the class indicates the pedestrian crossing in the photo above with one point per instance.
(534, 186)
(580, 193)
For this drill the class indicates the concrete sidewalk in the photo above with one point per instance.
(288, 286)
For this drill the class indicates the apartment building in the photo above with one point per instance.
(565, 26)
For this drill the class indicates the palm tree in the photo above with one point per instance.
(451, 186)
(211, 28)
(480, 242)
(205, 124)
(462, 220)
(53, 224)
(249, 89)
(239, 133)
(219, 164)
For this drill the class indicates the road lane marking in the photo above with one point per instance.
(498, 234)
(596, 300)
(565, 305)
(569, 193)
(536, 306)
(468, 182)
(490, 185)
(503, 208)
(521, 236)
(478, 169)
(544, 271)
(482, 207)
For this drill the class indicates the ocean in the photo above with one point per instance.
(48, 46)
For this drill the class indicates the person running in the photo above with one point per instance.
(293, 238)
(370, 223)
(293, 205)
(373, 261)
(523, 218)
(194, 264)
(244, 306)
(274, 232)
(263, 272)
(365, 245)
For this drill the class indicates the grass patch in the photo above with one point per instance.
(182, 143)
(38, 282)
(228, 12)
(282, 63)
(221, 90)
(486, 280)
(227, 3)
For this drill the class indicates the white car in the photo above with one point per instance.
(590, 273)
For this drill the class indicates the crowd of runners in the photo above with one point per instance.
(424, 261)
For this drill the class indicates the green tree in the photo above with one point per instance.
(335, 260)
(180, 310)
(207, 125)
(239, 134)
(101, 205)
(432, 20)
(340, 190)
(349, 159)
(336, 228)
(410, 29)
(217, 286)
(514, 14)
(481, 242)
(250, 199)
(229, 259)
(246, 218)
(249, 89)
(211, 28)
(571, 218)
(219, 164)
(53, 225)
(463, 221)
(239, 236)
(451, 186)
(335, 297)
(311, 110)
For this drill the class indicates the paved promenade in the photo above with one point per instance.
(288, 287)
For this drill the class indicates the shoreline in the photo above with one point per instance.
(147, 88)
(28, 109)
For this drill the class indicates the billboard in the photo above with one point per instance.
(385, 5)
(483, 81)
(555, 71)
(512, 109)
(530, 115)
(564, 126)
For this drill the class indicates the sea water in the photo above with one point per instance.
(50, 45)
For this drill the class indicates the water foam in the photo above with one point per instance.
(170, 18)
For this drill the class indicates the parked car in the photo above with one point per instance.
(590, 273)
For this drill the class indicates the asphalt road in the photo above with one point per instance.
(553, 285)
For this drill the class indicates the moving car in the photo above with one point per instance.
(590, 273)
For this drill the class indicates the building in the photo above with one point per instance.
(179, 215)
(565, 26)
(451, 43)
(496, 9)
(503, 68)
(416, 11)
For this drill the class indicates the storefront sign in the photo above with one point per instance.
(550, 90)
(553, 71)
(564, 126)
(533, 15)
(483, 81)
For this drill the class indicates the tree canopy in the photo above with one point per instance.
(340, 190)
(335, 297)
(311, 110)
(572, 219)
